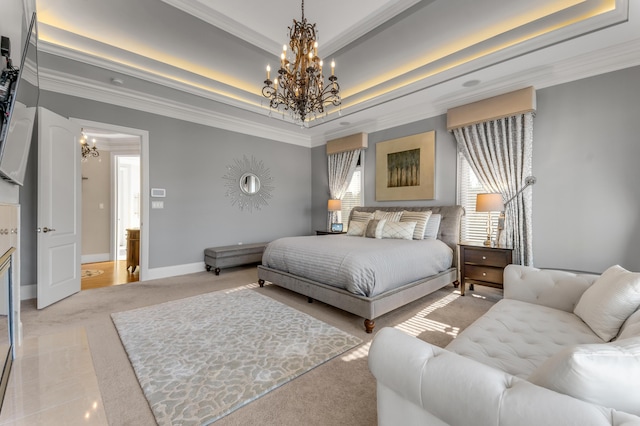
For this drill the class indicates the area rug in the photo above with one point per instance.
(200, 358)
(86, 273)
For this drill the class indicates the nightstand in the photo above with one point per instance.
(482, 265)
(329, 233)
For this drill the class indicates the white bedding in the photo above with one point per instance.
(363, 266)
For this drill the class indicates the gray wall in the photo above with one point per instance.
(586, 203)
(189, 161)
(446, 163)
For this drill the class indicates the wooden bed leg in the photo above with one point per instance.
(456, 283)
(309, 300)
(369, 325)
(261, 282)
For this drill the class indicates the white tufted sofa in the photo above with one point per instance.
(486, 375)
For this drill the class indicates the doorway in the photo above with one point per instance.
(117, 205)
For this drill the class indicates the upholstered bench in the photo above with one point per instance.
(230, 256)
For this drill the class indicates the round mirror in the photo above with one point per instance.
(249, 183)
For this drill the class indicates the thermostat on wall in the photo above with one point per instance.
(158, 192)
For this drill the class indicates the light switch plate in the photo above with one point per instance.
(157, 204)
(158, 192)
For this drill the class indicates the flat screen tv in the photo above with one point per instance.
(20, 111)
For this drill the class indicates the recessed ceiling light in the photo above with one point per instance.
(471, 83)
(117, 81)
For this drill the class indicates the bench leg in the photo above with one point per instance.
(261, 282)
(216, 271)
(208, 268)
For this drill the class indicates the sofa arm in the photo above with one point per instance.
(419, 383)
(555, 289)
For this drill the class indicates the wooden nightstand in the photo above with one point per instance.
(482, 265)
(329, 233)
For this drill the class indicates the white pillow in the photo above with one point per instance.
(601, 373)
(433, 225)
(612, 298)
(388, 216)
(357, 229)
(399, 230)
(374, 228)
(420, 218)
(631, 327)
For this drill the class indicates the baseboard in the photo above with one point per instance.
(28, 292)
(31, 291)
(93, 258)
(172, 271)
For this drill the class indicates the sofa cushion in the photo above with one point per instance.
(610, 301)
(517, 337)
(604, 374)
(631, 327)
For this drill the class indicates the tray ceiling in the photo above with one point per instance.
(392, 56)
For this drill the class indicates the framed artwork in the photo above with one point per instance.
(405, 168)
(336, 227)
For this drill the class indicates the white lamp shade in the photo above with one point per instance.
(489, 203)
(334, 205)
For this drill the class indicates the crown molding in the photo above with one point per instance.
(88, 89)
(370, 23)
(217, 19)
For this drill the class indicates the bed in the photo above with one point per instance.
(385, 276)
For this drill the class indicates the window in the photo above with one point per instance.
(354, 196)
(474, 224)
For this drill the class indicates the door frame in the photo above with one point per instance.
(144, 183)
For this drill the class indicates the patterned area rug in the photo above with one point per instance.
(91, 273)
(200, 358)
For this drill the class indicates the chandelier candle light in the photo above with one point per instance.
(299, 86)
(87, 150)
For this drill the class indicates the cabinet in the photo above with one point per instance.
(133, 249)
(483, 265)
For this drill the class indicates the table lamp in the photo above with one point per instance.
(333, 206)
(489, 203)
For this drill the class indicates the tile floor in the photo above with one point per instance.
(53, 382)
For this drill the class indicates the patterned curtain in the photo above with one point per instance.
(499, 153)
(341, 168)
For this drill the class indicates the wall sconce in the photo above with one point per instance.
(489, 203)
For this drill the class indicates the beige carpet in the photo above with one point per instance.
(341, 391)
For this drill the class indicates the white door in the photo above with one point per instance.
(59, 208)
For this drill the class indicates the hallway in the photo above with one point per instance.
(106, 274)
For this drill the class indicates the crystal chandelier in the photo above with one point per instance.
(88, 150)
(299, 86)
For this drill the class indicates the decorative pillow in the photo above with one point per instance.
(374, 228)
(601, 373)
(433, 225)
(356, 228)
(361, 216)
(612, 298)
(420, 218)
(388, 216)
(399, 230)
(631, 327)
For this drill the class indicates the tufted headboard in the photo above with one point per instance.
(449, 231)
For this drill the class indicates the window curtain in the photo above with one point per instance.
(341, 168)
(499, 152)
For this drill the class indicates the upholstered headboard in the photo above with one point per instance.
(449, 231)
